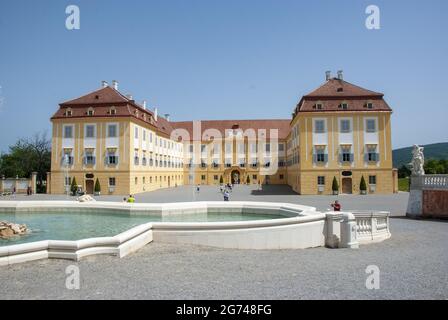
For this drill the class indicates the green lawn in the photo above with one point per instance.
(403, 184)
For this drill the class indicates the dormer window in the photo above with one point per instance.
(340, 89)
(90, 111)
(68, 112)
(343, 106)
(319, 106)
(369, 105)
(112, 111)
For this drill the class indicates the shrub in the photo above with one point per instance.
(74, 186)
(247, 180)
(221, 180)
(97, 186)
(335, 185)
(362, 185)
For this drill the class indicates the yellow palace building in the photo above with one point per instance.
(338, 131)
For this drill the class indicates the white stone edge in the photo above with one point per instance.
(136, 237)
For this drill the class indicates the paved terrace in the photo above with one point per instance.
(395, 203)
(412, 263)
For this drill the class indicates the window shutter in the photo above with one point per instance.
(341, 157)
(85, 160)
(366, 157)
(377, 157)
(106, 160)
(314, 157)
(326, 157)
(352, 157)
(94, 160)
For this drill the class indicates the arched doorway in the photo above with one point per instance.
(235, 177)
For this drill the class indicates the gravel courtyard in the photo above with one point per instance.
(412, 264)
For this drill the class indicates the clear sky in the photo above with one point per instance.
(216, 59)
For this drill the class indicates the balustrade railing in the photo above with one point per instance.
(430, 182)
(372, 225)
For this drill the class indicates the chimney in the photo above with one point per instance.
(144, 104)
(104, 84)
(115, 84)
(156, 111)
(327, 75)
(129, 96)
(340, 75)
(167, 116)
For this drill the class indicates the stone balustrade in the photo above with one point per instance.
(430, 182)
(372, 226)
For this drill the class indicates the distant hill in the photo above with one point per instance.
(432, 151)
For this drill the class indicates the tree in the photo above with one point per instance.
(404, 172)
(74, 186)
(362, 185)
(221, 180)
(27, 156)
(335, 185)
(97, 186)
(247, 179)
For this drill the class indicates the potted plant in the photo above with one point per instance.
(363, 186)
(248, 180)
(74, 187)
(335, 186)
(221, 180)
(97, 188)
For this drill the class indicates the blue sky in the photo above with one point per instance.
(216, 59)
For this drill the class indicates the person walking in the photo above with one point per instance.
(198, 188)
(226, 195)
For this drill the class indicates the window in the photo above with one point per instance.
(67, 159)
(112, 111)
(68, 181)
(90, 131)
(203, 177)
(281, 147)
(370, 125)
(346, 155)
(320, 155)
(68, 113)
(112, 130)
(136, 180)
(144, 135)
(144, 160)
(89, 158)
(90, 112)
(254, 163)
(215, 177)
(136, 133)
(254, 177)
(112, 182)
(136, 159)
(112, 158)
(281, 177)
(268, 147)
(320, 180)
(144, 180)
(372, 180)
(345, 126)
(372, 155)
(150, 137)
(344, 106)
(281, 162)
(68, 132)
(369, 105)
(319, 126)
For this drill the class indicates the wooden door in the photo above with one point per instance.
(347, 185)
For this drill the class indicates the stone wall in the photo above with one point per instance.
(428, 196)
(20, 185)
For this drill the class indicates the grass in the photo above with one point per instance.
(403, 184)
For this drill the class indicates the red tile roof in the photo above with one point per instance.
(282, 125)
(335, 91)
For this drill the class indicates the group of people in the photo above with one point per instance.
(226, 190)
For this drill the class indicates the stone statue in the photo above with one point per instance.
(418, 160)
